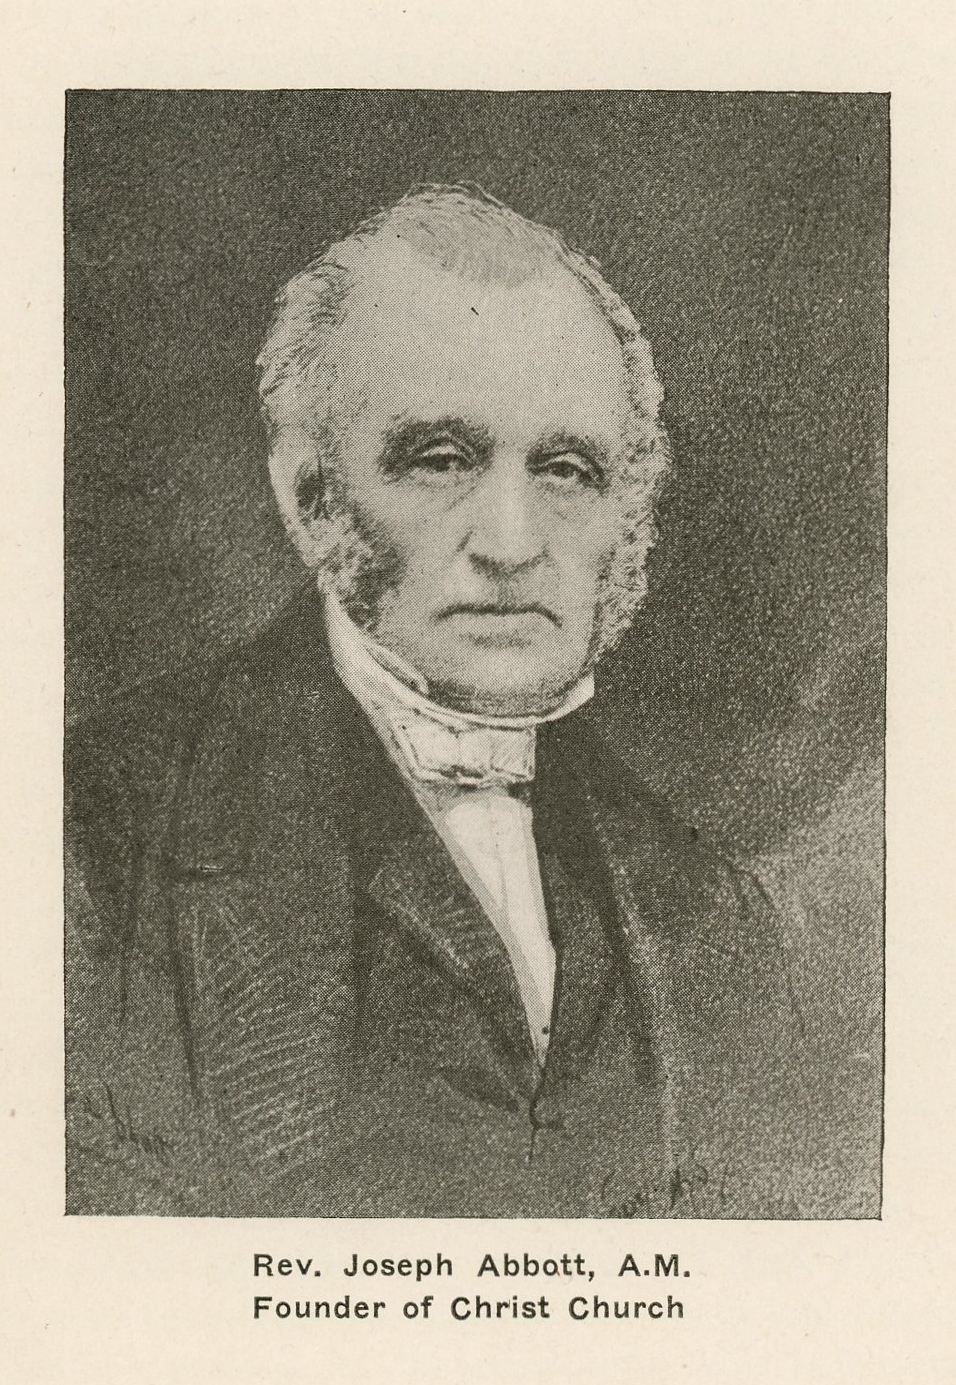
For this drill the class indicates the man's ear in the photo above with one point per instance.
(309, 491)
(295, 470)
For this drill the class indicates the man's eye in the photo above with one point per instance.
(570, 470)
(442, 459)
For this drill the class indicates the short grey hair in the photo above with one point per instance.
(468, 233)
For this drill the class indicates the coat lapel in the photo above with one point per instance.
(262, 898)
(405, 868)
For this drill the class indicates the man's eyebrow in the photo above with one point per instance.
(405, 433)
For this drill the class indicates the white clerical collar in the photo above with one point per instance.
(436, 742)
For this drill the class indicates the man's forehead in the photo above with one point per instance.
(428, 343)
(396, 279)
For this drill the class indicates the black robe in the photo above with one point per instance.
(283, 999)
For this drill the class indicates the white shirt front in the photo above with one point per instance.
(487, 829)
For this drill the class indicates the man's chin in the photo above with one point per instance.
(506, 695)
(513, 665)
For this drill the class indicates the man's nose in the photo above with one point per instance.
(505, 531)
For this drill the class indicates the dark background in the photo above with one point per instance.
(749, 234)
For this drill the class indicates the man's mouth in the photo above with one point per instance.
(501, 610)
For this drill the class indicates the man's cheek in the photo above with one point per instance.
(578, 578)
(433, 568)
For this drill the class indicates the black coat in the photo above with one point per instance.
(283, 1000)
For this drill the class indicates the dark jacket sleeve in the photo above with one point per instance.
(129, 1112)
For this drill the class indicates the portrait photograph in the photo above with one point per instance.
(475, 641)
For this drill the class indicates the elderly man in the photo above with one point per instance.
(368, 922)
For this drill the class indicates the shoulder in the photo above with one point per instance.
(123, 747)
(121, 769)
(126, 767)
(116, 761)
(139, 731)
(143, 722)
(623, 800)
(673, 873)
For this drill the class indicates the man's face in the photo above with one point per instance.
(482, 433)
